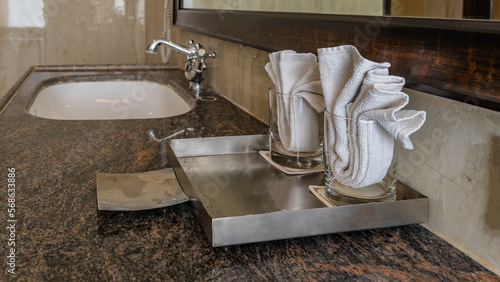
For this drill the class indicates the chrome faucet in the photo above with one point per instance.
(195, 67)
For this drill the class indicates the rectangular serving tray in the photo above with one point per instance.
(241, 198)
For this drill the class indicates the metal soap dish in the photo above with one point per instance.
(240, 198)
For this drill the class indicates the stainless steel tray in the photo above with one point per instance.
(240, 198)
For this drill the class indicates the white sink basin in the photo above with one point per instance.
(98, 100)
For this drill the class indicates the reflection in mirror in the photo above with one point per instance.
(427, 8)
(339, 7)
(457, 9)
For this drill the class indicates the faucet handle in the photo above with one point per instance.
(195, 67)
(199, 52)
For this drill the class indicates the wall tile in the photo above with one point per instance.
(456, 163)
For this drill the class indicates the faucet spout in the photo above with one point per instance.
(153, 47)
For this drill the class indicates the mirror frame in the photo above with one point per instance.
(455, 59)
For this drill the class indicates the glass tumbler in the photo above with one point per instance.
(360, 161)
(295, 132)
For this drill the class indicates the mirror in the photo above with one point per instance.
(446, 9)
(339, 7)
(455, 9)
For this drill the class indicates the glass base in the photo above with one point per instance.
(298, 160)
(366, 156)
(383, 191)
(293, 121)
(339, 194)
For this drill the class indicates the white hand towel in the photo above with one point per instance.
(342, 70)
(370, 147)
(366, 120)
(399, 123)
(273, 69)
(309, 87)
(382, 104)
(375, 148)
(381, 99)
(297, 75)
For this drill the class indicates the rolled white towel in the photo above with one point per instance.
(366, 115)
(370, 146)
(382, 100)
(399, 123)
(342, 70)
(297, 75)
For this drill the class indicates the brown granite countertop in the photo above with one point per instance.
(61, 236)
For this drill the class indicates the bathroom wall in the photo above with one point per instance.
(456, 163)
(456, 160)
(36, 32)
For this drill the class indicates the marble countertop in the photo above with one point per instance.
(61, 236)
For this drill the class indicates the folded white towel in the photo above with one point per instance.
(365, 116)
(375, 148)
(297, 75)
(370, 147)
(342, 70)
(273, 68)
(399, 123)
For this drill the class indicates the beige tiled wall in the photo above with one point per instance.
(456, 163)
